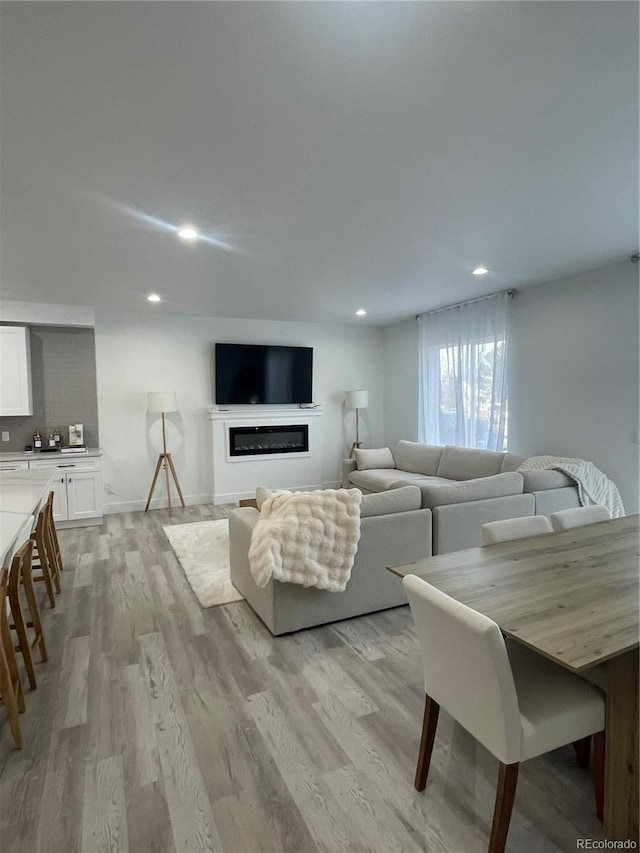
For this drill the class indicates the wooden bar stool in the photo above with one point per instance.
(20, 576)
(44, 555)
(10, 687)
(53, 535)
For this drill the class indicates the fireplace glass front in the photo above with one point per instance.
(264, 440)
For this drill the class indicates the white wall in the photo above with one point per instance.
(153, 352)
(401, 382)
(573, 373)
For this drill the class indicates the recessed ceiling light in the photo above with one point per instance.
(361, 312)
(153, 297)
(480, 271)
(188, 233)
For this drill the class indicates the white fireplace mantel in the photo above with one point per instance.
(258, 415)
(237, 477)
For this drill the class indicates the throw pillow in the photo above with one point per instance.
(262, 495)
(367, 460)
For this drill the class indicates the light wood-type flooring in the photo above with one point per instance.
(159, 726)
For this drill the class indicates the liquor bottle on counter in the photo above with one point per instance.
(37, 440)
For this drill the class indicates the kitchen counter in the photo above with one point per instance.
(22, 456)
(76, 480)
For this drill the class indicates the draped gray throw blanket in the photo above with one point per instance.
(594, 487)
(309, 538)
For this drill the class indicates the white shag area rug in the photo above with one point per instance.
(202, 548)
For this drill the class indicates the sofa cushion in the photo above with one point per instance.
(418, 458)
(381, 479)
(380, 457)
(511, 462)
(466, 463)
(481, 488)
(421, 480)
(396, 500)
(535, 481)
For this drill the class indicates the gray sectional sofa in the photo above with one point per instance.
(418, 500)
(394, 530)
(464, 488)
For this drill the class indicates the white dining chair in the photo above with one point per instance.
(514, 528)
(567, 519)
(516, 703)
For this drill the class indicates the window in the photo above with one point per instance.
(463, 369)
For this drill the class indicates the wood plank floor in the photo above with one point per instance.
(160, 726)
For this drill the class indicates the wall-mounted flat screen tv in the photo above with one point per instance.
(249, 373)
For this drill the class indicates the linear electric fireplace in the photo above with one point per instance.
(265, 440)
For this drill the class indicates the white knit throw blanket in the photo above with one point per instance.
(309, 538)
(594, 487)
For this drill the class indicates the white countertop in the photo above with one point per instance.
(22, 497)
(15, 527)
(21, 494)
(22, 456)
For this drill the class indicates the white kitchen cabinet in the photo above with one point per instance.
(15, 371)
(77, 487)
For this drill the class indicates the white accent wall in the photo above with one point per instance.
(573, 378)
(152, 352)
(574, 373)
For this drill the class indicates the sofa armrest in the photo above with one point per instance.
(480, 488)
(261, 599)
(348, 465)
(555, 500)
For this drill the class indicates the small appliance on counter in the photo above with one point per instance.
(52, 443)
(76, 435)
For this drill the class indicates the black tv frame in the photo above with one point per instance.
(241, 375)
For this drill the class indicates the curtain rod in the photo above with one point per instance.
(510, 293)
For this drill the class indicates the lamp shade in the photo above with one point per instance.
(357, 399)
(161, 401)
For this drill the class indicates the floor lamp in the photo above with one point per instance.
(163, 401)
(356, 400)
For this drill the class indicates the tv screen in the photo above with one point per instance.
(249, 374)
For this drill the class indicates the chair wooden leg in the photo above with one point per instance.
(429, 725)
(45, 559)
(46, 577)
(7, 693)
(21, 562)
(505, 795)
(34, 611)
(583, 751)
(10, 656)
(52, 536)
(598, 771)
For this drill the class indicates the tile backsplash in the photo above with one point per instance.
(63, 375)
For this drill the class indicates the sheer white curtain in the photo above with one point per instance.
(463, 374)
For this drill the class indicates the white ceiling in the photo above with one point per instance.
(337, 155)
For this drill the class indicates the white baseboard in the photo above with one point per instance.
(156, 503)
(193, 500)
(234, 497)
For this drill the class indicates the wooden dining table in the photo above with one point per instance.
(574, 598)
